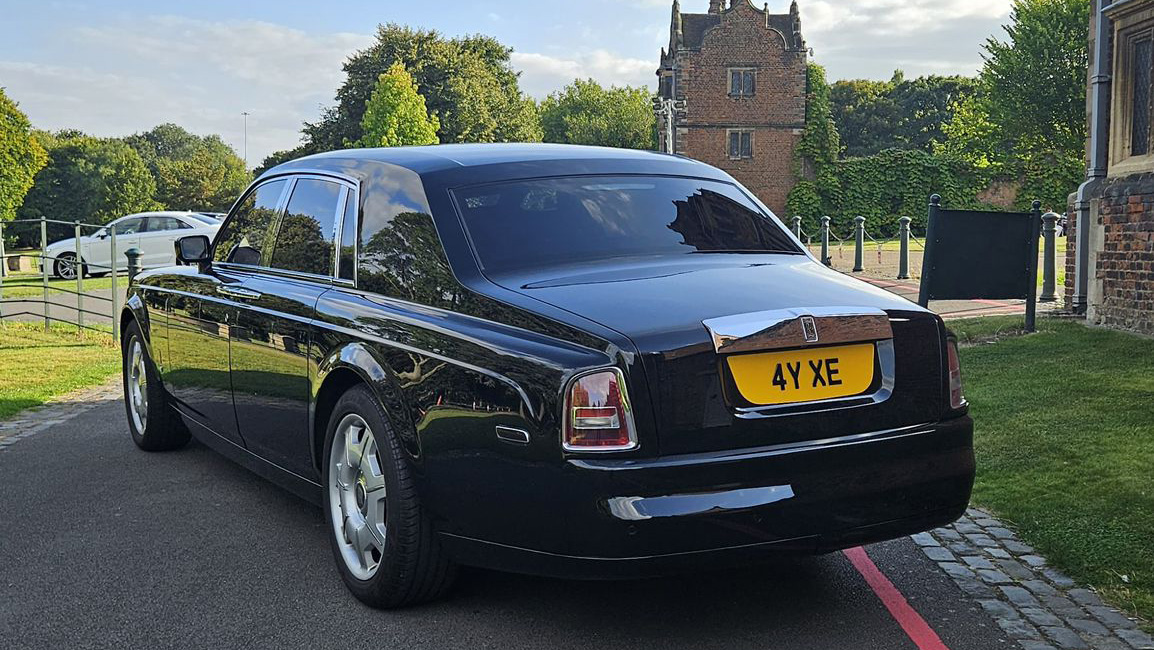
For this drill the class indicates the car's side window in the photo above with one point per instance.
(400, 253)
(348, 249)
(242, 239)
(161, 224)
(128, 226)
(304, 240)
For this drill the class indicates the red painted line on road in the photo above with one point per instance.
(911, 622)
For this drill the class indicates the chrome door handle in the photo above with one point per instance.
(238, 292)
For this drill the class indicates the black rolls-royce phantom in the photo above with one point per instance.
(559, 360)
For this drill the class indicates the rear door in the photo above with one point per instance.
(277, 303)
(156, 240)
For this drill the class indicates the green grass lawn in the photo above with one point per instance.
(36, 366)
(27, 285)
(1064, 436)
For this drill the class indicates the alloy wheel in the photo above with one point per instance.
(137, 386)
(66, 267)
(357, 496)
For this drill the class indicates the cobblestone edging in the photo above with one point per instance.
(35, 420)
(1033, 603)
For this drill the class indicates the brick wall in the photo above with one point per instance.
(1121, 293)
(769, 174)
(776, 112)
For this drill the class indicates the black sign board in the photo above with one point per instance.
(981, 255)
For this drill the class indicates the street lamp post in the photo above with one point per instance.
(245, 114)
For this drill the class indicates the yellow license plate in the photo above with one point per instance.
(804, 375)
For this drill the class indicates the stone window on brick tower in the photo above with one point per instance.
(740, 143)
(1141, 55)
(742, 82)
(1132, 100)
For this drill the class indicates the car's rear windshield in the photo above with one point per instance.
(204, 218)
(558, 221)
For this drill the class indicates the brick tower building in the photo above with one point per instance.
(741, 72)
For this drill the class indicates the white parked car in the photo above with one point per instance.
(153, 233)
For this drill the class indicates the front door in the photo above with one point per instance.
(203, 312)
(99, 253)
(270, 343)
(196, 373)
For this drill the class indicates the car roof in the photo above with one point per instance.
(453, 158)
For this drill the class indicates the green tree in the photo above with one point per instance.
(89, 179)
(900, 113)
(1028, 120)
(395, 114)
(21, 156)
(191, 172)
(277, 157)
(468, 84)
(586, 113)
(1036, 79)
(865, 115)
(972, 136)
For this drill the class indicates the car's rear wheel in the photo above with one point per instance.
(384, 545)
(154, 425)
(66, 267)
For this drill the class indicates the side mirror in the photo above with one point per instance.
(193, 249)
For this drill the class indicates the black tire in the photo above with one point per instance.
(67, 259)
(413, 568)
(163, 429)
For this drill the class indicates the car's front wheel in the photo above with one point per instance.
(66, 267)
(154, 425)
(384, 545)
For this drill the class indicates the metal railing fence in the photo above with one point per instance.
(904, 236)
(80, 268)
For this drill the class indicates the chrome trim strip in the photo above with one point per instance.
(515, 436)
(783, 328)
(680, 505)
(338, 228)
(268, 271)
(238, 292)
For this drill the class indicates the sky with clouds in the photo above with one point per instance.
(116, 67)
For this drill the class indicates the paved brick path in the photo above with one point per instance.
(957, 308)
(1037, 605)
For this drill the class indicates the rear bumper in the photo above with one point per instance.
(617, 518)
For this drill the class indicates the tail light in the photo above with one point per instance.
(598, 416)
(957, 400)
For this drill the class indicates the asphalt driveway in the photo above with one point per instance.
(102, 545)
